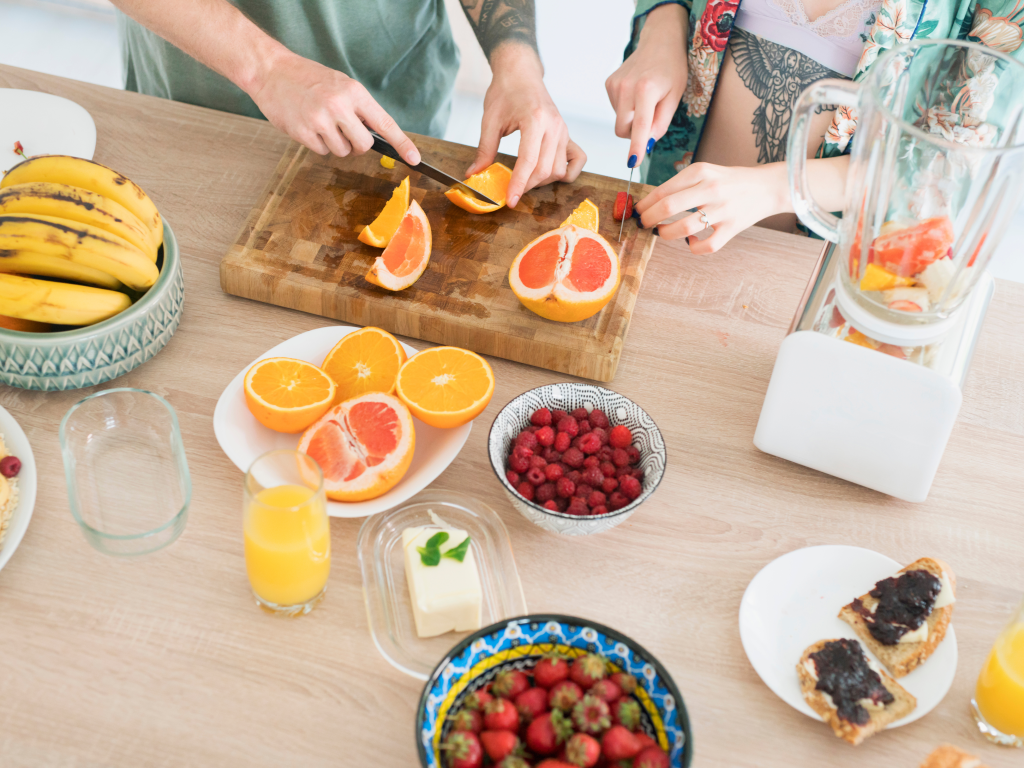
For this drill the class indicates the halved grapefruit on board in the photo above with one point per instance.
(364, 446)
(407, 255)
(567, 274)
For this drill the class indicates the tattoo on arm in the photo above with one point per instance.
(776, 75)
(501, 21)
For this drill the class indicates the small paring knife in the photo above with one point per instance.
(383, 147)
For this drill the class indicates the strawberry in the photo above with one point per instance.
(645, 740)
(478, 700)
(587, 670)
(626, 712)
(606, 689)
(623, 206)
(499, 744)
(531, 703)
(510, 683)
(463, 750)
(626, 683)
(550, 763)
(547, 732)
(468, 720)
(501, 715)
(651, 757)
(591, 715)
(565, 695)
(513, 761)
(582, 750)
(619, 744)
(552, 669)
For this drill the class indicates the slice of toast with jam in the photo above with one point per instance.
(849, 691)
(903, 618)
(948, 756)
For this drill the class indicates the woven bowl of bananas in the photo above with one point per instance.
(90, 275)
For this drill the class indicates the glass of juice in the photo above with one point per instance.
(287, 533)
(998, 701)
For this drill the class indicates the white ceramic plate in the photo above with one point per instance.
(244, 439)
(795, 600)
(17, 444)
(45, 125)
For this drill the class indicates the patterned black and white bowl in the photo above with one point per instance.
(515, 417)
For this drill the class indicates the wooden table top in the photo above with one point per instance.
(165, 660)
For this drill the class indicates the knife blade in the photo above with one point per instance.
(383, 146)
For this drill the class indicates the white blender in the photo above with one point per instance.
(867, 385)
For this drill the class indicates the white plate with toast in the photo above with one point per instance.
(45, 125)
(795, 600)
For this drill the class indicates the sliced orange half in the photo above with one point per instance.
(287, 395)
(383, 228)
(406, 256)
(491, 181)
(445, 387)
(586, 216)
(364, 361)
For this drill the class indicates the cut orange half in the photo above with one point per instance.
(364, 446)
(383, 228)
(364, 361)
(287, 395)
(445, 387)
(406, 256)
(586, 216)
(491, 181)
(567, 275)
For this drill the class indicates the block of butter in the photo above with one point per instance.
(445, 597)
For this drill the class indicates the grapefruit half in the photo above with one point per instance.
(407, 255)
(364, 446)
(567, 274)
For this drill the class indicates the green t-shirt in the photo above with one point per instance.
(401, 50)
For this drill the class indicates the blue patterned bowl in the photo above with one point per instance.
(97, 353)
(520, 644)
(515, 417)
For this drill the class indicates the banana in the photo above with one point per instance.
(59, 267)
(81, 205)
(76, 172)
(58, 303)
(81, 243)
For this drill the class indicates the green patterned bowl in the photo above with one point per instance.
(97, 353)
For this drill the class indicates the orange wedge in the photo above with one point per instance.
(366, 360)
(445, 387)
(585, 216)
(491, 181)
(287, 395)
(406, 256)
(383, 228)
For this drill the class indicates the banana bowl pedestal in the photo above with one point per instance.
(98, 353)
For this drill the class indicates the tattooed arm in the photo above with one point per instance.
(518, 101)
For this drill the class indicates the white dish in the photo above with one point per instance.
(17, 445)
(244, 439)
(795, 600)
(45, 125)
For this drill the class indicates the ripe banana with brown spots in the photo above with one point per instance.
(44, 301)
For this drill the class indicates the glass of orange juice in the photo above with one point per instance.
(287, 534)
(998, 701)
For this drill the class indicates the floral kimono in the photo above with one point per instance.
(995, 23)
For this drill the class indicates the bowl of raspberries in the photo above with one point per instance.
(576, 458)
(550, 691)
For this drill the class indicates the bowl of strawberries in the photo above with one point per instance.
(549, 691)
(576, 458)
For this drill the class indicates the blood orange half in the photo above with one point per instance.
(364, 446)
(568, 274)
(407, 255)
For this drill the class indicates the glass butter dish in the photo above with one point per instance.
(386, 592)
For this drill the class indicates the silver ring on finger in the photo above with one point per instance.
(704, 218)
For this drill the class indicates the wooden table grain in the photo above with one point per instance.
(166, 661)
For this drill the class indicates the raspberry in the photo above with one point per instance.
(526, 491)
(605, 454)
(638, 474)
(550, 455)
(617, 500)
(634, 454)
(575, 475)
(538, 462)
(590, 444)
(607, 469)
(562, 442)
(620, 436)
(578, 509)
(527, 439)
(620, 458)
(596, 499)
(557, 416)
(573, 457)
(545, 436)
(522, 451)
(545, 492)
(569, 426)
(536, 476)
(519, 464)
(531, 428)
(562, 503)
(580, 413)
(577, 441)
(583, 490)
(593, 476)
(622, 472)
(553, 472)
(602, 510)
(609, 484)
(601, 433)
(565, 487)
(584, 426)
(598, 419)
(551, 505)
(541, 417)
(630, 487)
(591, 461)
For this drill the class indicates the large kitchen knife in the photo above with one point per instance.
(383, 147)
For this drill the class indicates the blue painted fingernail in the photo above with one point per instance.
(632, 161)
(650, 145)
(654, 231)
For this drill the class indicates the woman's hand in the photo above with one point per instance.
(645, 91)
(732, 199)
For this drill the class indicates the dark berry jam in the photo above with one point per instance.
(844, 674)
(904, 604)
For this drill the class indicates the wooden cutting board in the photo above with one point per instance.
(298, 249)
